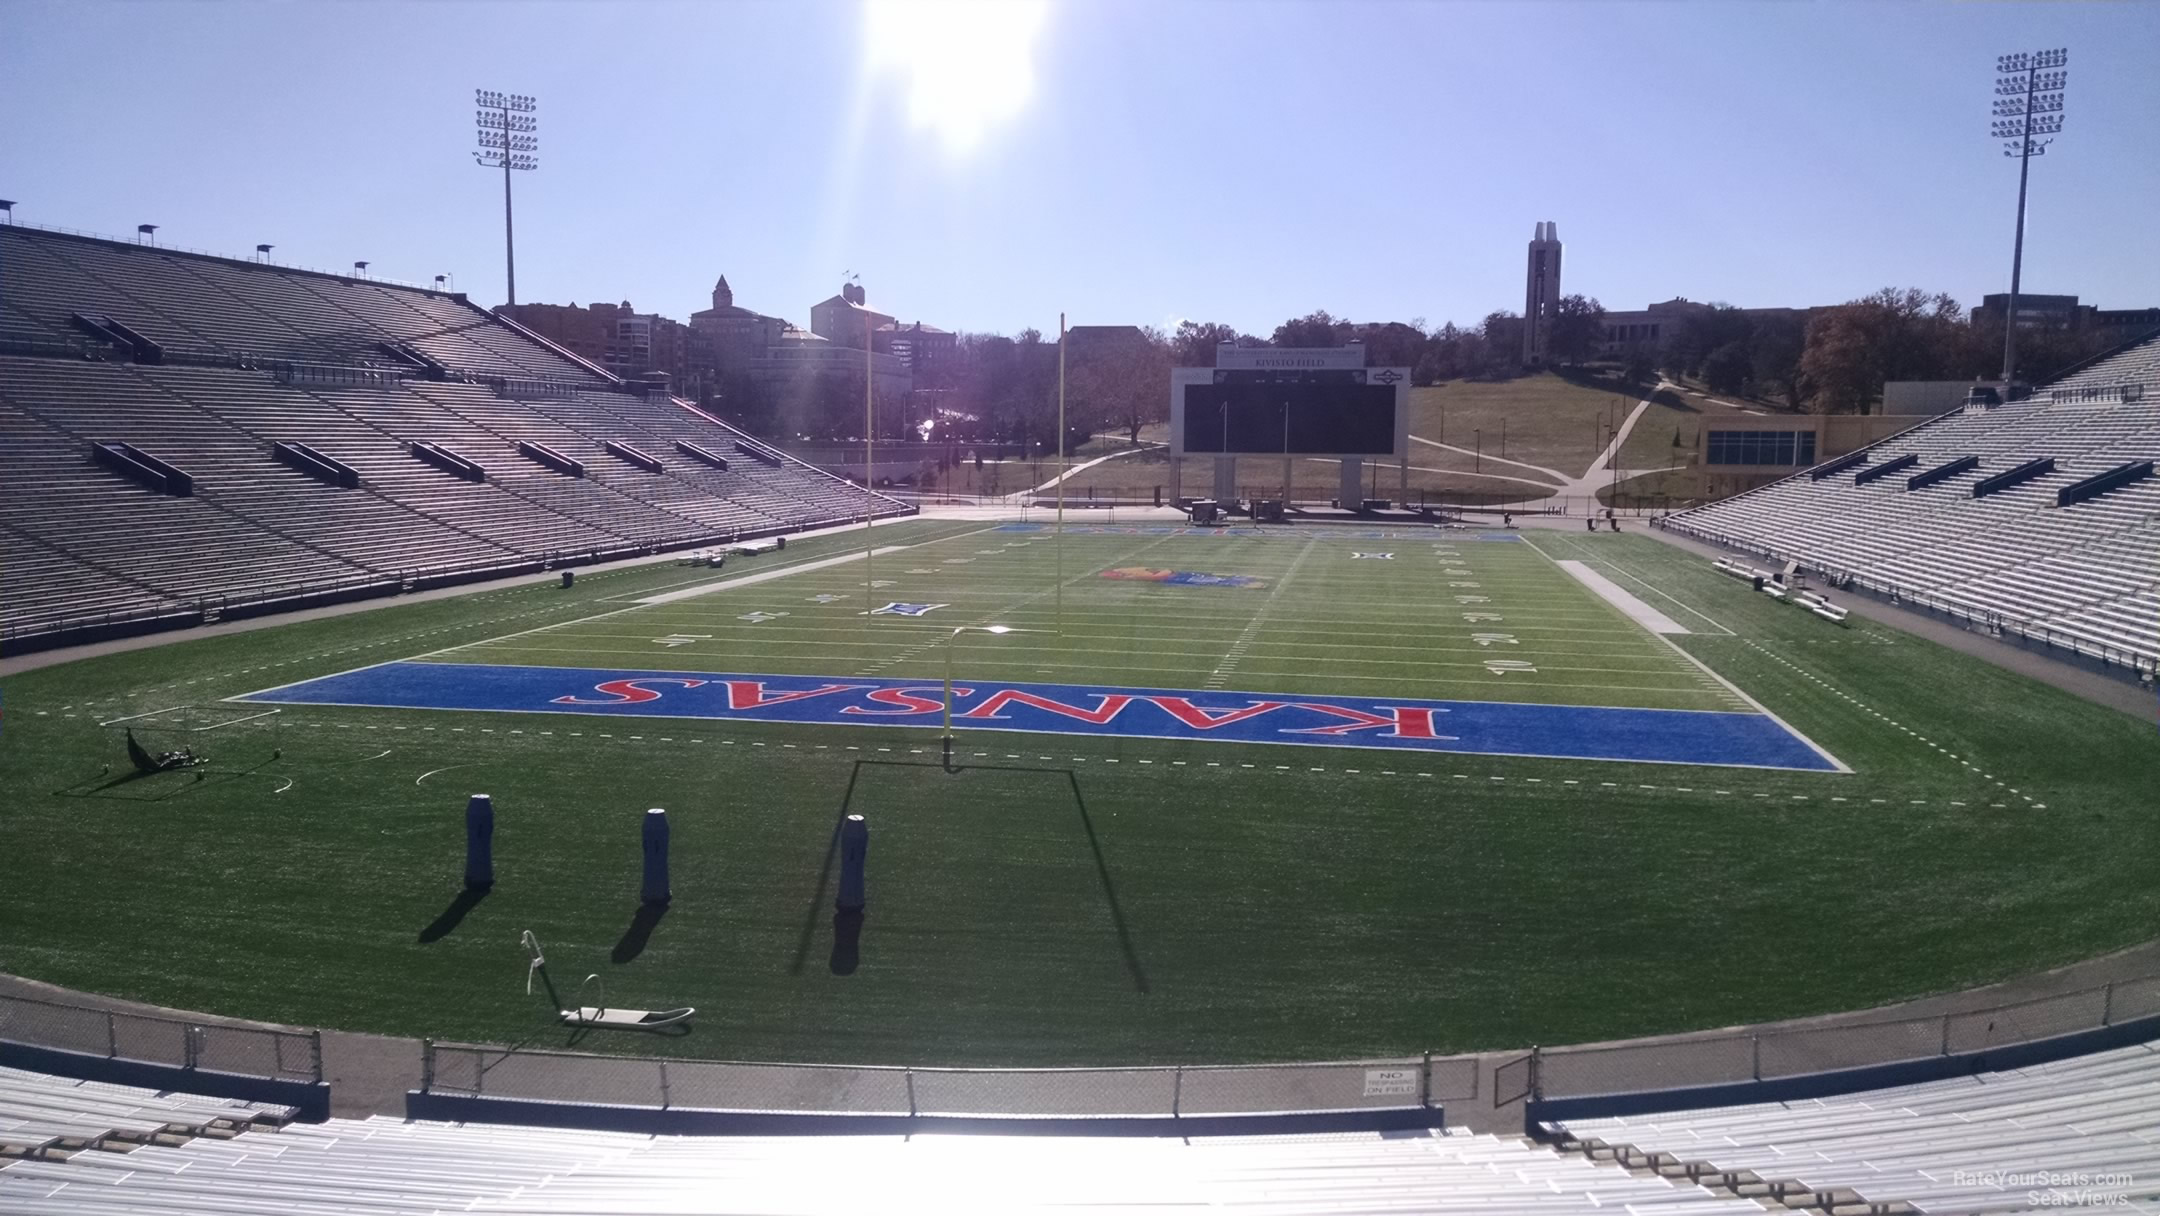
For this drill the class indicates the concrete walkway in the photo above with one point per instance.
(370, 1074)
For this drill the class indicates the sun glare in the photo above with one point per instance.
(967, 65)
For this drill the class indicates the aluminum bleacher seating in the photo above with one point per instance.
(1994, 1142)
(48, 1115)
(383, 1165)
(2082, 576)
(251, 356)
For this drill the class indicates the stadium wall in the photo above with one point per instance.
(1842, 1081)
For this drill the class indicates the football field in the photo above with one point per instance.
(1219, 795)
(1397, 639)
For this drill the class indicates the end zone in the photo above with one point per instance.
(1651, 736)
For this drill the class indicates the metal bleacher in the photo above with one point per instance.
(47, 1118)
(208, 363)
(2085, 576)
(113, 1150)
(2082, 1133)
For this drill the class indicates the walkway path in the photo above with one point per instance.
(1599, 476)
(1018, 495)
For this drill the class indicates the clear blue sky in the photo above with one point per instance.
(1241, 162)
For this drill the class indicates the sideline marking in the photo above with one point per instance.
(1733, 688)
(1622, 598)
(1622, 570)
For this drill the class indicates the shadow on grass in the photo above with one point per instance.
(640, 932)
(846, 943)
(1102, 871)
(441, 926)
(847, 927)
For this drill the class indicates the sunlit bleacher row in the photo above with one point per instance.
(2085, 574)
(2081, 1133)
(505, 455)
(195, 306)
(47, 1116)
(384, 1165)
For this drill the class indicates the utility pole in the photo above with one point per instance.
(507, 141)
(2028, 103)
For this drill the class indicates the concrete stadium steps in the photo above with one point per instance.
(1940, 1147)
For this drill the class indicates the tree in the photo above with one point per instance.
(1578, 328)
(1728, 368)
(1895, 334)
(1313, 329)
(1194, 343)
(1502, 353)
(1391, 343)
(1124, 383)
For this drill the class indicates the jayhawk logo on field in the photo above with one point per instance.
(1182, 578)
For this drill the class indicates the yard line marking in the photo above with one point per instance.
(1236, 654)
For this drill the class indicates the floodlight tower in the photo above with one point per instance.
(508, 139)
(2028, 104)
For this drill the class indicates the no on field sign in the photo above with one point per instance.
(1391, 1082)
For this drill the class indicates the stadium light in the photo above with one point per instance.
(8, 205)
(2028, 105)
(508, 140)
(361, 267)
(146, 230)
(263, 251)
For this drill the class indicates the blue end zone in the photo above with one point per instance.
(1336, 532)
(1665, 736)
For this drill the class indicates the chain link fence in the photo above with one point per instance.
(1403, 1083)
(1763, 1055)
(277, 1055)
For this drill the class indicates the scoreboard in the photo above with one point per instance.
(1290, 411)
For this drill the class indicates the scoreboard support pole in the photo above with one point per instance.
(1351, 493)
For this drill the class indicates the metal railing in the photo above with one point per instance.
(1404, 1083)
(1773, 1054)
(251, 1051)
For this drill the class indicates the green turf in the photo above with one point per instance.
(1322, 620)
(1084, 900)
